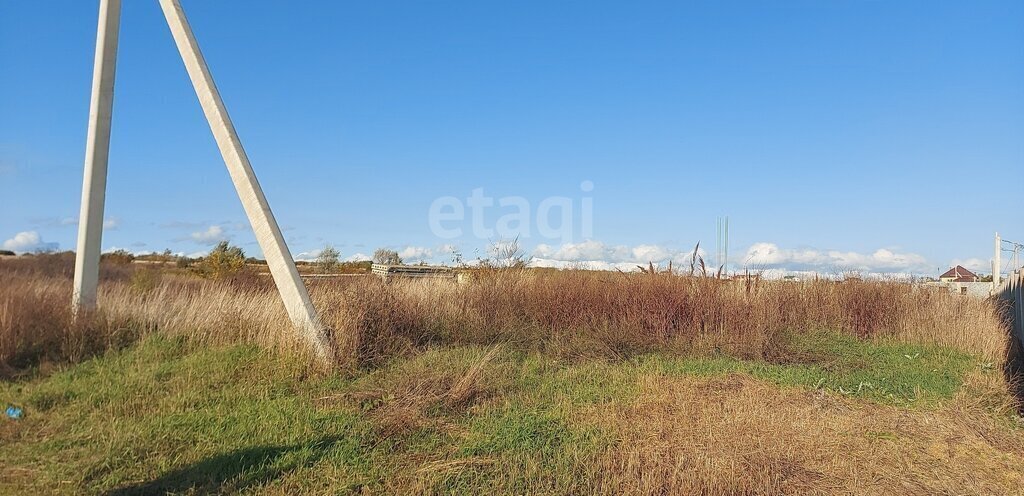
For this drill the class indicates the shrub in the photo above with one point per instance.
(327, 260)
(222, 262)
(118, 257)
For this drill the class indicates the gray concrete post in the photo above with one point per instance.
(97, 147)
(279, 259)
(997, 262)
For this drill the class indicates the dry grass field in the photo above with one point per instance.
(520, 382)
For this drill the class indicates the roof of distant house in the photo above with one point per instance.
(959, 273)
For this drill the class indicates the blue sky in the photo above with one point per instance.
(877, 136)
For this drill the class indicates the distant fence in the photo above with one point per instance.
(1011, 297)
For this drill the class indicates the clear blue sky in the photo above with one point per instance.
(827, 131)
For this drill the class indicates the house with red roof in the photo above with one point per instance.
(959, 274)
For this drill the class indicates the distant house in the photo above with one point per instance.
(959, 274)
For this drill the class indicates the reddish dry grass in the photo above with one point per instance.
(574, 314)
(577, 313)
(37, 326)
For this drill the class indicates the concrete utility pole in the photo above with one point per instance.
(293, 292)
(97, 147)
(996, 263)
(268, 234)
(722, 254)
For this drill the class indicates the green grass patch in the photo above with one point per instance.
(163, 416)
(887, 372)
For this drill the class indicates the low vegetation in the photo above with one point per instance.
(166, 416)
(519, 381)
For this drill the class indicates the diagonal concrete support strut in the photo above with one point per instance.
(268, 234)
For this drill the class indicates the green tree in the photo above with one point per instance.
(223, 261)
(327, 260)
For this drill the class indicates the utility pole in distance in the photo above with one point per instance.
(996, 263)
(722, 244)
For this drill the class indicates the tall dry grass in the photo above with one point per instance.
(580, 313)
(571, 313)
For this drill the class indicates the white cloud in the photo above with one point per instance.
(111, 223)
(973, 264)
(137, 253)
(570, 252)
(307, 256)
(29, 242)
(310, 256)
(415, 253)
(770, 256)
(591, 251)
(584, 265)
(767, 258)
(596, 255)
(358, 257)
(211, 236)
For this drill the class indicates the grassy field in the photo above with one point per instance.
(574, 383)
(164, 416)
